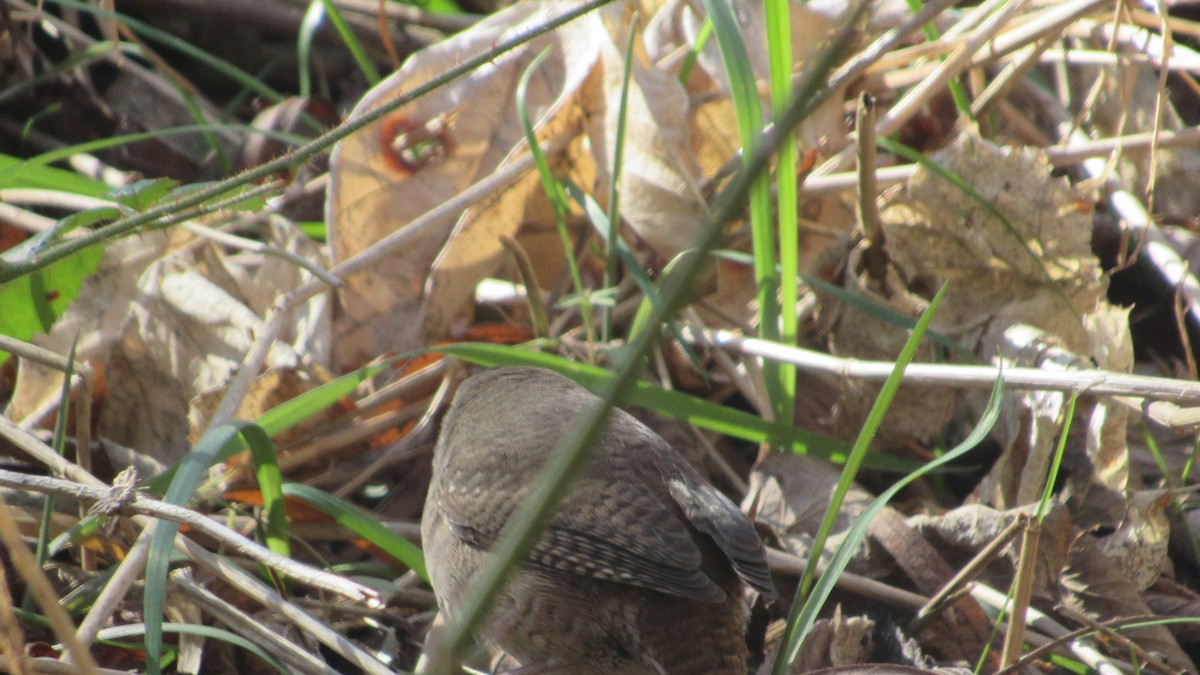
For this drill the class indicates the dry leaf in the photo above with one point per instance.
(1094, 585)
(789, 494)
(429, 151)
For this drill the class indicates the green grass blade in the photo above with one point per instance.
(362, 524)
(796, 626)
(47, 178)
(748, 111)
(689, 61)
(557, 196)
(270, 484)
(117, 633)
(352, 43)
(1056, 461)
(808, 614)
(779, 55)
(807, 605)
(58, 442)
(187, 476)
(614, 192)
(309, 25)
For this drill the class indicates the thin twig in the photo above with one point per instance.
(244, 244)
(246, 625)
(127, 572)
(1059, 155)
(143, 505)
(1095, 382)
(915, 98)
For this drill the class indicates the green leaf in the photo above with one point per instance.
(32, 303)
(143, 194)
(47, 178)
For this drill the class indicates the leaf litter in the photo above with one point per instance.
(999, 209)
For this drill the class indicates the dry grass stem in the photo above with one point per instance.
(237, 620)
(140, 504)
(42, 590)
(1095, 382)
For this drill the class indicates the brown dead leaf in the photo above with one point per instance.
(97, 317)
(1171, 599)
(1024, 287)
(837, 641)
(1138, 547)
(788, 495)
(165, 322)
(960, 534)
(962, 629)
(422, 155)
(1094, 585)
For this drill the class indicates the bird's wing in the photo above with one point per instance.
(712, 513)
(623, 535)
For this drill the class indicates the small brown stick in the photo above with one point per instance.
(968, 572)
(319, 447)
(244, 244)
(1014, 637)
(533, 293)
(868, 192)
(1012, 73)
(789, 563)
(118, 585)
(403, 448)
(1058, 155)
(915, 98)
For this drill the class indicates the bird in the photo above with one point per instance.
(641, 570)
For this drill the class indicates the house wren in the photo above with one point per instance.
(641, 570)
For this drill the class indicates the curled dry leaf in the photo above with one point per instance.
(1139, 545)
(394, 171)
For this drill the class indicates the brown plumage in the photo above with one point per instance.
(640, 571)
